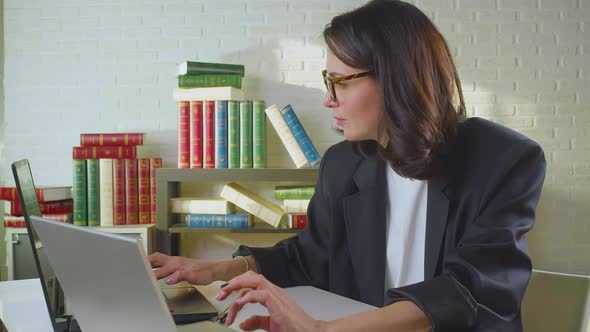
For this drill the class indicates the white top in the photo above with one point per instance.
(405, 230)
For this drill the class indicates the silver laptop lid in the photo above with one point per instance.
(106, 277)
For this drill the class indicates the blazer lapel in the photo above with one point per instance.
(364, 216)
(437, 209)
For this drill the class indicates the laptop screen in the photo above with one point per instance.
(28, 198)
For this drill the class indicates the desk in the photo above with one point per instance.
(22, 300)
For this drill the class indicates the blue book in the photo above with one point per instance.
(221, 134)
(309, 150)
(197, 220)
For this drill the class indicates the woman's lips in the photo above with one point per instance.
(340, 122)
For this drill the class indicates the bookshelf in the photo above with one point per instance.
(170, 180)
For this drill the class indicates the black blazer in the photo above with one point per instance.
(476, 264)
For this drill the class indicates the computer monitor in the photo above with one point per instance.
(30, 204)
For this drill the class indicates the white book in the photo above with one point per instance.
(105, 180)
(280, 125)
(252, 203)
(215, 93)
(54, 193)
(295, 205)
(201, 205)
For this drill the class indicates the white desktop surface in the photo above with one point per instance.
(22, 307)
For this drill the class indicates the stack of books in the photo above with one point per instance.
(295, 202)
(55, 203)
(111, 185)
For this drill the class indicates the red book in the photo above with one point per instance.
(184, 134)
(131, 207)
(57, 207)
(106, 152)
(196, 134)
(209, 134)
(44, 194)
(297, 220)
(114, 139)
(119, 192)
(155, 163)
(16, 221)
(143, 190)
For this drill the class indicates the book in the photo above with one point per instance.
(309, 150)
(295, 205)
(155, 163)
(119, 200)
(258, 134)
(97, 152)
(184, 134)
(246, 134)
(209, 134)
(243, 220)
(112, 139)
(217, 93)
(233, 134)
(105, 176)
(252, 203)
(131, 202)
(294, 192)
(221, 134)
(44, 194)
(143, 191)
(195, 68)
(19, 221)
(209, 80)
(297, 220)
(79, 191)
(287, 138)
(53, 207)
(93, 191)
(201, 205)
(196, 134)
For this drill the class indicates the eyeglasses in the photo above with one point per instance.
(329, 81)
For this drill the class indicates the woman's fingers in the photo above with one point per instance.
(165, 271)
(249, 279)
(263, 297)
(158, 259)
(255, 323)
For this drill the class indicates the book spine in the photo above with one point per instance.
(297, 221)
(79, 193)
(221, 134)
(183, 134)
(284, 192)
(309, 150)
(217, 220)
(209, 133)
(233, 134)
(200, 206)
(97, 152)
(259, 134)
(295, 205)
(115, 139)
(242, 220)
(15, 208)
(16, 221)
(93, 187)
(119, 192)
(196, 68)
(105, 168)
(8, 194)
(246, 134)
(218, 93)
(286, 136)
(57, 207)
(209, 80)
(143, 190)
(131, 205)
(252, 203)
(155, 163)
(11, 194)
(196, 134)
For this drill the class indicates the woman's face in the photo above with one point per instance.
(359, 102)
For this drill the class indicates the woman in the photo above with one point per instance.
(420, 212)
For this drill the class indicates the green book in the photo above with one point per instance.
(93, 189)
(292, 192)
(196, 68)
(259, 134)
(79, 193)
(209, 80)
(233, 134)
(246, 134)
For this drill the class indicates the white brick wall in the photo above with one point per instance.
(74, 66)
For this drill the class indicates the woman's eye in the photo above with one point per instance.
(340, 84)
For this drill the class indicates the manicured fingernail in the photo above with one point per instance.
(218, 297)
(168, 280)
(227, 283)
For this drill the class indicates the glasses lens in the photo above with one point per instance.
(329, 85)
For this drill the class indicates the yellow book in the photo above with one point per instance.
(280, 125)
(252, 203)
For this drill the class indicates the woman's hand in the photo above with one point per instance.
(285, 314)
(176, 269)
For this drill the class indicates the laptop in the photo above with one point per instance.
(108, 279)
(185, 302)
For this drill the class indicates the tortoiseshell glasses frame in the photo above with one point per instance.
(329, 81)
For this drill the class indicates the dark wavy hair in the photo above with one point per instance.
(415, 69)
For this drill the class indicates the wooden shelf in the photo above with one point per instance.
(237, 174)
(180, 228)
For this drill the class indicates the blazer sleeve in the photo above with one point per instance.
(486, 271)
(301, 259)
